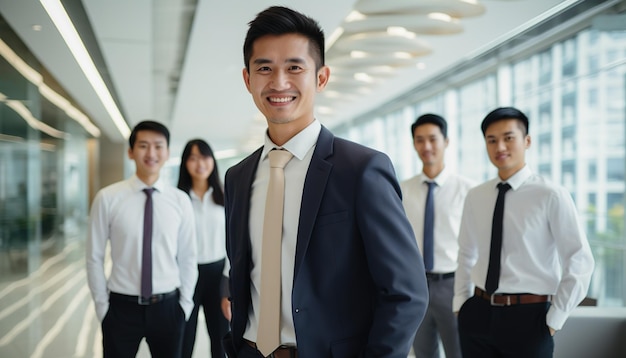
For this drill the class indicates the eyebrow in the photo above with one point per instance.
(504, 134)
(263, 61)
(158, 141)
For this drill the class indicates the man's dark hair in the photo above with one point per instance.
(432, 119)
(503, 113)
(148, 126)
(184, 178)
(279, 20)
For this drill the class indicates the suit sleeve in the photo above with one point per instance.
(394, 261)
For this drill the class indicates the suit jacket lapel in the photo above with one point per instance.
(314, 186)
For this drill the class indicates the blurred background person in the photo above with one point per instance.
(433, 201)
(149, 228)
(199, 177)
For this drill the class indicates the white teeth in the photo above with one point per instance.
(281, 99)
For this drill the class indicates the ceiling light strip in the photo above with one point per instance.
(35, 78)
(66, 28)
(33, 122)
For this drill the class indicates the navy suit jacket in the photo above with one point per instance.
(359, 286)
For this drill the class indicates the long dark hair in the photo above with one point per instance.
(184, 178)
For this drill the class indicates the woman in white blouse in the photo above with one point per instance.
(199, 177)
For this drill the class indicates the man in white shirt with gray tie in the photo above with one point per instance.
(524, 260)
(150, 228)
(436, 231)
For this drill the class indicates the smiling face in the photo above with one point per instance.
(506, 146)
(430, 145)
(283, 81)
(199, 167)
(150, 152)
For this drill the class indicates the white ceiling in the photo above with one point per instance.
(192, 81)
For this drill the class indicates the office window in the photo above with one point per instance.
(569, 58)
(545, 67)
(568, 173)
(592, 172)
(615, 169)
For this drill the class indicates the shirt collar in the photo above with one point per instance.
(517, 179)
(439, 179)
(138, 185)
(298, 145)
(193, 194)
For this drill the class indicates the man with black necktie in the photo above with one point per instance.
(150, 228)
(433, 201)
(524, 260)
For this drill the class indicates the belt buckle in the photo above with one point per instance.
(143, 301)
(493, 302)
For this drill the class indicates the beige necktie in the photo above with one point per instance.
(268, 334)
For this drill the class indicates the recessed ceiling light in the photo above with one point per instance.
(440, 16)
(37, 27)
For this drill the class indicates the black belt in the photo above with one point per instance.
(144, 301)
(439, 276)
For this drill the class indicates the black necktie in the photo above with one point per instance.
(429, 228)
(493, 272)
(146, 256)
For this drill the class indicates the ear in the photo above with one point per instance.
(246, 78)
(130, 153)
(527, 141)
(446, 142)
(323, 74)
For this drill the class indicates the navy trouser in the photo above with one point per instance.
(504, 331)
(207, 295)
(126, 323)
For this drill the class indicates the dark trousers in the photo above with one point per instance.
(247, 351)
(127, 323)
(511, 331)
(208, 296)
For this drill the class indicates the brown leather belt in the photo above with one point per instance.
(511, 299)
(280, 352)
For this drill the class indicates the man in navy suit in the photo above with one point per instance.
(350, 282)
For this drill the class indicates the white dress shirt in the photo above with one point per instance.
(449, 197)
(301, 146)
(544, 248)
(117, 217)
(210, 227)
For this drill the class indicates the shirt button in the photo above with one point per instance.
(297, 310)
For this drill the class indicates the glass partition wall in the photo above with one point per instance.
(43, 167)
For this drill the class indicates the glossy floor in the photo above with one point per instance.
(50, 313)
